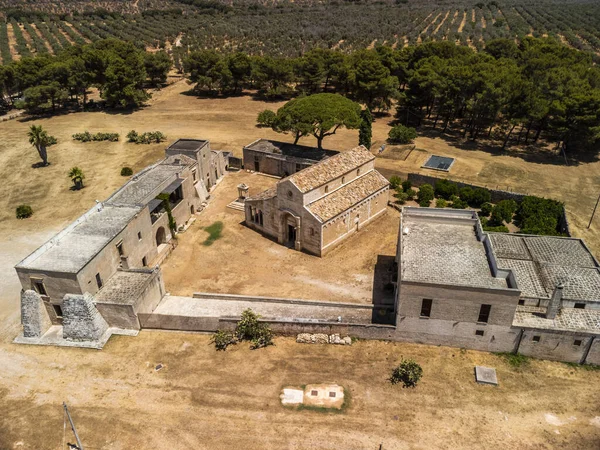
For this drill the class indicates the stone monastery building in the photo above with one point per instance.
(317, 208)
(453, 284)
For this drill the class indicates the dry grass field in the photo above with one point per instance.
(204, 399)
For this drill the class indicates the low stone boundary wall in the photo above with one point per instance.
(418, 179)
(288, 301)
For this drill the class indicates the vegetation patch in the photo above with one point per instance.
(148, 137)
(24, 211)
(86, 136)
(126, 171)
(515, 360)
(214, 231)
(248, 328)
(408, 372)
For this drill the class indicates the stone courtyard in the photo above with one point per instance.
(245, 262)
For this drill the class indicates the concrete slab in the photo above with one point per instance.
(54, 336)
(486, 375)
(291, 396)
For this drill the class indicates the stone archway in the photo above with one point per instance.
(161, 236)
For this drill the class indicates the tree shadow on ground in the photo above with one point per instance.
(537, 153)
(39, 165)
(384, 276)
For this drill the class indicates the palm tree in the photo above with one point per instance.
(77, 176)
(38, 137)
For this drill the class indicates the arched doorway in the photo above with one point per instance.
(289, 231)
(161, 236)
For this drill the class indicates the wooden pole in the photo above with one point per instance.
(73, 427)
(593, 212)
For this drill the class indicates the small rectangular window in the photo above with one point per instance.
(144, 261)
(38, 286)
(426, 307)
(120, 248)
(521, 302)
(99, 281)
(536, 339)
(577, 342)
(58, 311)
(484, 313)
(479, 332)
(139, 235)
(579, 305)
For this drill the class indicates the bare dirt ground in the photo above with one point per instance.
(204, 399)
(243, 261)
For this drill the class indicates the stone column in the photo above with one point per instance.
(34, 315)
(555, 301)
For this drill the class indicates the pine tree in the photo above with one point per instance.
(365, 132)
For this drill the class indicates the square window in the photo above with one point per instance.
(521, 302)
(577, 342)
(536, 339)
(38, 286)
(314, 393)
(139, 235)
(332, 394)
(579, 305)
(479, 332)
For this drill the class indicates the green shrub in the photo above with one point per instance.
(498, 229)
(24, 211)
(266, 118)
(406, 185)
(445, 189)
(537, 215)
(425, 195)
(223, 339)
(486, 210)
(503, 212)
(466, 194)
(132, 136)
(400, 134)
(126, 171)
(408, 373)
(441, 203)
(515, 360)
(149, 137)
(479, 197)
(459, 203)
(410, 194)
(87, 137)
(250, 329)
(395, 181)
(401, 197)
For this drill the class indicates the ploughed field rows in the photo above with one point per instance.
(292, 28)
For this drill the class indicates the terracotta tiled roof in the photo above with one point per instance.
(333, 167)
(347, 196)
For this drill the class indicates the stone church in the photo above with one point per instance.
(316, 208)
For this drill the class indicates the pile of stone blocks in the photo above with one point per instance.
(322, 338)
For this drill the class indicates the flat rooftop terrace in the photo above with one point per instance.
(187, 144)
(71, 249)
(441, 247)
(290, 150)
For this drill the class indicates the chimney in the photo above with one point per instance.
(555, 301)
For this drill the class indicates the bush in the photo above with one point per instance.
(479, 197)
(400, 134)
(401, 197)
(445, 189)
(250, 329)
(24, 211)
(396, 181)
(441, 203)
(87, 137)
(132, 136)
(486, 210)
(408, 373)
(126, 171)
(410, 194)
(266, 118)
(537, 215)
(406, 185)
(466, 194)
(459, 203)
(503, 212)
(425, 195)
(223, 339)
(146, 138)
